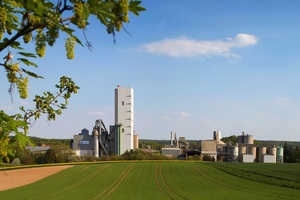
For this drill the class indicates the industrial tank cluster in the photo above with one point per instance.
(243, 151)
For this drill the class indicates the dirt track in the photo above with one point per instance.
(16, 178)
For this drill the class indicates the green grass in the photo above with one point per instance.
(285, 175)
(164, 180)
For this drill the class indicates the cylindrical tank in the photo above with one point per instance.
(249, 139)
(135, 142)
(234, 152)
(279, 151)
(242, 150)
(261, 152)
(217, 135)
(246, 139)
(96, 143)
(272, 151)
(279, 155)
(252, 150)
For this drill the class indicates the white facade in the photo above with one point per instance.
(248, 158)
(124, 115)
(269, 159)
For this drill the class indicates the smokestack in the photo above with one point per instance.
(171, 139)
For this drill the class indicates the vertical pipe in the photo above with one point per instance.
(100, 138)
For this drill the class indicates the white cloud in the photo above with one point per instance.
(182, 113)
(185, 47)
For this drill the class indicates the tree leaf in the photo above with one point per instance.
(31, 74)
(135, 8)
(85, 12)
(16, 45)
(27, 54)
(27, 62)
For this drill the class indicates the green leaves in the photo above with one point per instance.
(44, 22)
(10, 125)
(104, 12)
(135, 8)
(50, 104)
(31, 74)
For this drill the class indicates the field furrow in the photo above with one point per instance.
(115, 184)
(75, 184)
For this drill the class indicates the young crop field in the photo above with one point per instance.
(165, 180)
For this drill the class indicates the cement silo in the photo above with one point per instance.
(279, 154)
(272, 151)
(135, 142)
(252, 150)
(242, 151)
(217, 135)
(96, 142)
(261, 152)
(245, 139)
(234, 152)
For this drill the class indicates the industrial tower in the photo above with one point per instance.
(124, 117)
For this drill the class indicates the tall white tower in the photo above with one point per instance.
(124, 115)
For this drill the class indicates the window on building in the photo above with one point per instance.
(123, 103)
(122, 130)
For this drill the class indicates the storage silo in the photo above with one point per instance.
(249, 139)
(96, 142)
(217, 135)
(261, 152)
(242, 150)
(272, 151)
(234, 152)
(135, 141)
(252, 150)
(246, 139)
(279, 154)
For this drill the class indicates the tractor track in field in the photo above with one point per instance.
(159, 173)
(116, 183)
(202, 173)
(75, 184)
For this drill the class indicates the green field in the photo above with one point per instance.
(166, 180)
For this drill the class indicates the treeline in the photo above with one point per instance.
(62, 154)
(291, 154)
(49, 142)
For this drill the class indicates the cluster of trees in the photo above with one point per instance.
(291, 154)
(63, 154)
(56, 154)
(41, 23)
(49, 142)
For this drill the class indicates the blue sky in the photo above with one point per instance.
(195, 66)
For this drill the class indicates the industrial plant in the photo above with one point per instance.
(243, 151)
(120, 137)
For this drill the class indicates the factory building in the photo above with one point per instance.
(210, 148)
(243, 151)
(176, 147)
(120, 137)
(124, 116)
